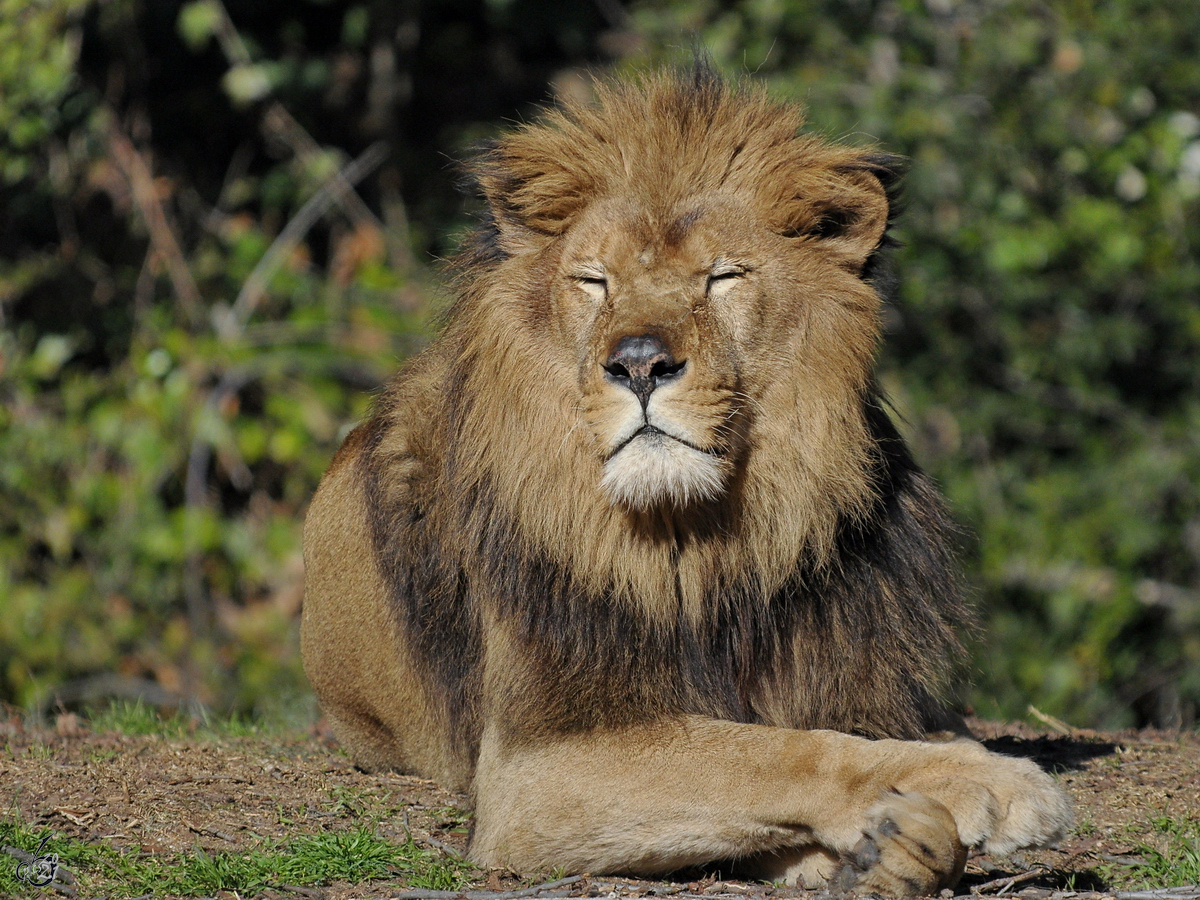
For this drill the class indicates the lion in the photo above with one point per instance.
(633, 553)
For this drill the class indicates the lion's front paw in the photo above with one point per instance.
(1000, 803)
(910, 848)
(1035, 811)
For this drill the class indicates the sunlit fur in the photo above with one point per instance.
(513, 588)
(658, 468)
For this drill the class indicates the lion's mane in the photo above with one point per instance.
(816, 591)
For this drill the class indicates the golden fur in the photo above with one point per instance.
(632, 552)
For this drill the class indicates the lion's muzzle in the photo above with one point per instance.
(660, 449)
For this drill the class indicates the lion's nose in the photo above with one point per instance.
(642, 363)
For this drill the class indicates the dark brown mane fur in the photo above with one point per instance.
(887, 611)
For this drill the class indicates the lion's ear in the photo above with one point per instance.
(535, 183)
(846, 206)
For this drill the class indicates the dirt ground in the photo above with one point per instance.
(175, 794)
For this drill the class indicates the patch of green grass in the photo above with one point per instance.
(40, 750)
(134, 717)
(1172, 861)
(355, 855)
(100, 755)
(350, 802)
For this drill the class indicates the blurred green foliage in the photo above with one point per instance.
(158, 444)
(192, 313)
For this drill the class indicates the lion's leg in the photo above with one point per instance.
(657, 798)
(355, 654)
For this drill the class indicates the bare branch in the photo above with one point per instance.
(255, 285)
(282, 125)
(162, 238)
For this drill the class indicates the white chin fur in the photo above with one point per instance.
(654, 469)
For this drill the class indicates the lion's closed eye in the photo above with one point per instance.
(593, 281)
(723, 278)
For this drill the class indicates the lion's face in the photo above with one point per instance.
(686, 325)
(697, 314)
(653, 327)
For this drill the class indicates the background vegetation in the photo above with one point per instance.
(195, 305)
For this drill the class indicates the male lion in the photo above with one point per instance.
(632, 551)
